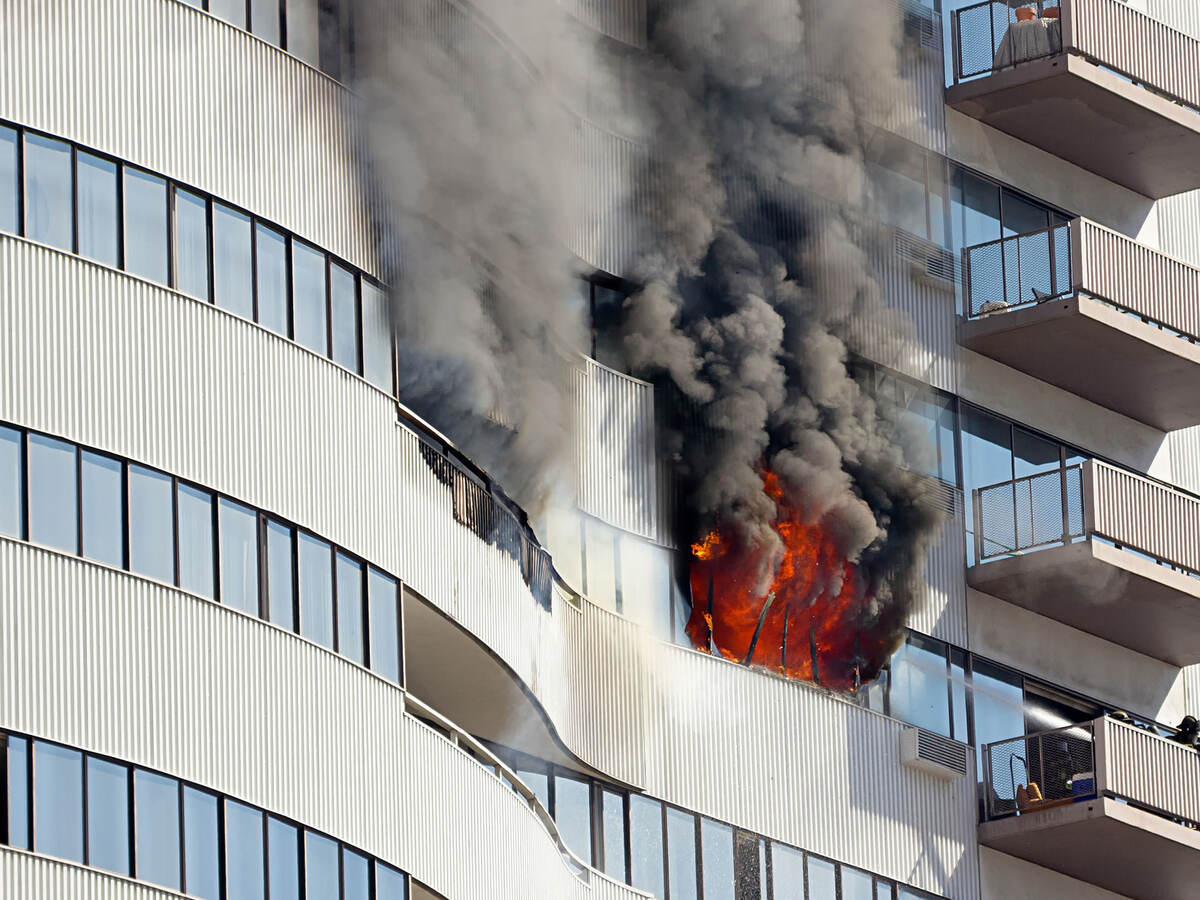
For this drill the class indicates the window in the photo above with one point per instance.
(573, 813)
(245, 876)
(750, 866)
(232, 11)
(321, 866)
(344, 315)
(96, 192)
(350, 608)
(716, 840)
(264, 21)
(103, 509)
(9, 193)
(48, 209)
(919, 684)
(613, 815)
(356, 876)
(787, 873)
(233, 269)
(316, 590)
(18, 792)
(377, 337)
(58, 801)
(384, 601)
(12, 489)
(191, 243)
(538, 783)
(202, 864)
(308, 307)
(283, 853)
(271, 278)
(646, 844)
(280, 584)
(151, 528)
(156, 805)
(822, 879)
(145, 225)
(681, 854)
(108, 815)
(997, 703)
(599, 566)
(389, 884)
(239, 556)
(196, 541)
(52, 493)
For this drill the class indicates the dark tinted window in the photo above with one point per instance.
(156, 804)
(8, 180)
(108, 816)
(233, 274)
(12, 488)
(202, 862)
(18, 792)
(58, 801)
(96, 189)
(280, 586)
(344, 313)
(384, 624)
(308, 291)
(52, 493)
(196, 541)
(316, 590)
(349, 608)
(271, 279)
(145, 225)
(245, 875)
(48, 209)
(103, 509)
(151, 532)
(191, 243)
(239, 556)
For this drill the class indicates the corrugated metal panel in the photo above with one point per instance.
(1191, 687)
(186, 95)
(109, 662)
(622, 20)
(1181, 14)
(1147, 769)
(611, 201)
(1142, 514)
(30, 875)
(941, 609)
(616, 454)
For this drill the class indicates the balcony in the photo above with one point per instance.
(1118, 806)
(1103, 86)
(1093, 312)
(1097, 548)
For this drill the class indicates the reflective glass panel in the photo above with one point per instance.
(12, 488)
(822, 879)
(48, 209)
(997, 703)
(538, 782)
(681, 854)
(883, 891)
(645, 842)
(145, 225)
(96, 190)
(8, 180)
(573, 813)
(18, 792)
(202, 856)
(308, 298)
(389, 884)
(264, 20)
(316, 590)
(613, 813)
(156, 801)
(52, 493)
(191, 243)
(233, 11)
(151, 531)
(356, 876)
(377, 337)
(856, 885)
(245, 876)
(283, 854)
(1032, 454)
(239, 556)
(1022, 216)
(716, 840)
(233, 268)
(103, 531)
(58, 801)
(344, 313)
(271, 279)
(108, 815)
(196, 541)
(321, 867)
(787, 873)
(920, 693)
(349, 608)
(384, 602)
(279, 576)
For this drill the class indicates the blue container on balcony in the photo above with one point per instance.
(1083, 786)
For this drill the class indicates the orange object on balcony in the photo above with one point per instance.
(1026, 13)
(1051, 13)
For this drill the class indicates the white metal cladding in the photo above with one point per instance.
(611, 199)
(29, 875)
(1191, 687)
(1130, 274)
(622, 20)
(615, 447)
(1143, 514)
(941, 607)
(167, 87)
(100, 357)
(120, 665)
(1147, 769)
(1181, 14)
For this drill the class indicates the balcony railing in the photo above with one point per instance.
(1043, 510)
(988, 37)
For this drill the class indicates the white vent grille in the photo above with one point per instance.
(932, 753)
(931, 262)
(919, 25)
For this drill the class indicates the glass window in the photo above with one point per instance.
(18, 793)
(52, 493)
(356, 876)
(349, 608)
(975, 210)
(1033, 455)
(283, 852)
(883, 891)
(321, 867)
(233, 268)
(958, 694)
(987, 460)
(898, 191)
(58, 801)
(856, 885)
(716, 841)
(108, 815)
(264, 20)
(103, 531)
(145, 225)
(538, 782)
(384, 601)
(279, 576)
(681, 854)
(997, 703)
(156, 804)
(96, 193)
(232, 11)
(271, 278)
(245, 876)
(48, 211)
(389, 884)
(316, 590)
(191, 243)
(1021, 216)
(749, 866)
(239, 556)
(645, 579)
(573, 813)
(600, 565)
(920, 693)
(8, 180)
(308, 304)
(613, 814)
(151, 531)
(12, 488)
(377, 337)
(202, 864)
(645, 843)
(344, 314)
(822, 879)
(787, 873)
(196, 541)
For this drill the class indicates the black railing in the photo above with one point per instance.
(1039, 771)
(988, 37)
(1013, 272)
(1043, 510)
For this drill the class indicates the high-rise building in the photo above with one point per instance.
(268, 633)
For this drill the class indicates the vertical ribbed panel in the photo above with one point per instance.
(607, 233)
(1150, 770)
(1147, 516)
(104, 661)
(615, 446)
(24, 876)
(622, 20)
(941, 608)
(1191, 687)
(186, 95)
(1181, 14)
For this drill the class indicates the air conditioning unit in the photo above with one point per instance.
(920, 27)
(930, 263)
(938, 756)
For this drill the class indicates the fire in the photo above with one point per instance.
(809, 624)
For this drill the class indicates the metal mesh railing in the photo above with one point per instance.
(1017, 271)
(988, 36)
(1028, 513)
(1039, 771)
